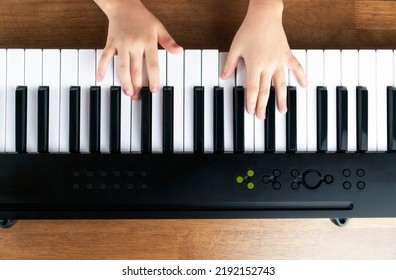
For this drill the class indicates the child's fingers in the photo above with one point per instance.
(136, 73)
(298, 70)
(253, 82)
(124, 71)
(264, 92)
(280, 88)
(105, 58)
(151, 55)
(230, 64)
(167, 42)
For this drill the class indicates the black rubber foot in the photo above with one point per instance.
(7, 223)
(341, 222)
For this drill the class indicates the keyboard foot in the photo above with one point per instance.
(7, 223)
(341, 222)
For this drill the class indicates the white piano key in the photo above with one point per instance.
(228, 86)
(394, 67)
(33, 79)
(384, 79)
(51, 78)
(3, 93)
(349, 79)
(69, 77)
(301, 102)
(367, 78)
(241, 76)
(86, 79)
(280, 124)
(192, 77)
(210, 79)
(175, 72)
(126, 113)
(332, 79)
(315, 78)
(15, 77)
(105, 104)
(157, 109)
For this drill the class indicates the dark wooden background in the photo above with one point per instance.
(200, 24)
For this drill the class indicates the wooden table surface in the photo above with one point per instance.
(200, 24)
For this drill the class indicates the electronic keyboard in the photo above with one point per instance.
(73, 148)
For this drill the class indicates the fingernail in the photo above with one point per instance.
(222, 75)
(99, 78)
(154, 90)
(129, 92)
(251, 111)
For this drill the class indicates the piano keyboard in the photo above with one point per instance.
(71, 147)
(51, 102)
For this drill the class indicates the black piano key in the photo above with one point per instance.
(291, 119)
(270, 122)
(342, 119)
(146, 120)
(168, 119)
(42, 119)
(20, 119)
(362, 118)
(239, 119)
(218, 119)
(115, 119)
(391, 91)
(199, 119)
(321, 108)
(94, 120)
(74, 119)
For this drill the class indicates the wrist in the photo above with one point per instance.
(111, 7)
(266, 7)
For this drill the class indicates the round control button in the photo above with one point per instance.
(116, 173)
(250, 185)
(294, 185)
(360, 172)
(76, 173)
(329, 179)
(266, 179)
(89, 186)
(239, 179)
(276, 172)
(103, 173)
(250, 173)
(76, 186)
(361, 185)
(347, 185)
(130, 173)
(116, 186)
(294, 172)
(143, 186)
(276, 186)
(103, 186)
(311, 179)
(90, 173)
(143, 173)
(129, 186)
(346, 172)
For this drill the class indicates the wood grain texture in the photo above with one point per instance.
(199, 24)
(200, 239)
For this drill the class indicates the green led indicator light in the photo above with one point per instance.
(250, 185)
(239, 179)
(250, 173)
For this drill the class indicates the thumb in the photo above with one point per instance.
(230, 64)
(167, 42)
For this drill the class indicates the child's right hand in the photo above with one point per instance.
(134, 34)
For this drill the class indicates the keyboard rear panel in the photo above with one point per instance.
(269, 185)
